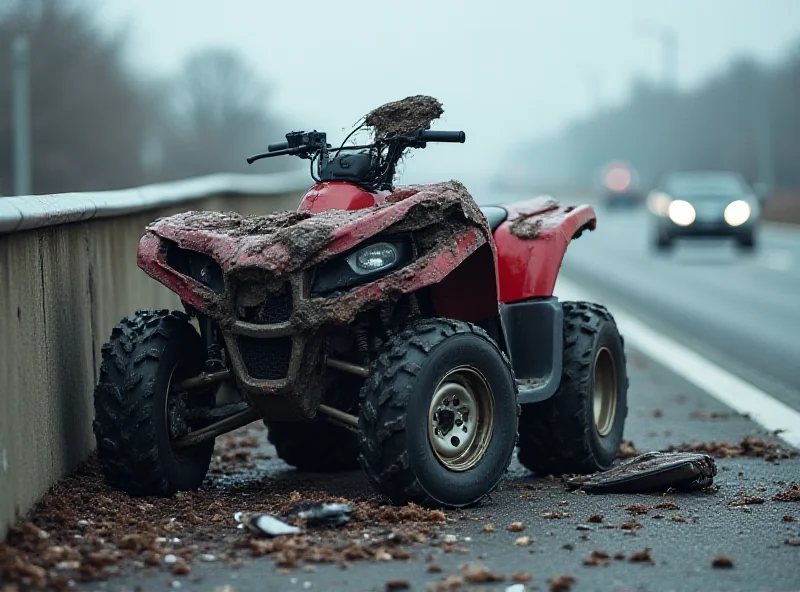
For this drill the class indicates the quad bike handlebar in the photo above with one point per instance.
(377, 161)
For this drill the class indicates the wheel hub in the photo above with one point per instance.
(461, 419)
(177, 410)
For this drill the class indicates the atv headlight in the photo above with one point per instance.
(681, 212)
(737, 212)
(365, 264)
(373, 258)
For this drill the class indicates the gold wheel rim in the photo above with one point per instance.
(461, 418)
(604, 389)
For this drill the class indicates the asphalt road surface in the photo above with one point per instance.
(741, 311)
(664, 410)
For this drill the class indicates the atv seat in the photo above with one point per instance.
(495, 215)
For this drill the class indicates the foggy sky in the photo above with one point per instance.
(506, 70)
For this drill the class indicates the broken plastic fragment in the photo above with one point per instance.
(265, 525)
(651, 471)
(319, 514)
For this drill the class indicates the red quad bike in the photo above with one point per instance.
(404, 330)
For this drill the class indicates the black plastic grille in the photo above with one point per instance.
(266, 358)
(275, 308)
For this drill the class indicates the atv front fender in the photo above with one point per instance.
(531, 244)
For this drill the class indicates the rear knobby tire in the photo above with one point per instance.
(560, 435)
(746, 242)
(314, 446)
(397, 453)
(130, 400)
(663, 242)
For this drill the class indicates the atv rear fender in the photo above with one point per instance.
(530, 248)
(531, 244)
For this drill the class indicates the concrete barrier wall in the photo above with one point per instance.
(64, 283)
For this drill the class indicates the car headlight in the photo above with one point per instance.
(658, 203)
(681, 212)
(363, 265)
(737, 212)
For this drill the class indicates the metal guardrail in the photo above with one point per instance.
(38, 211)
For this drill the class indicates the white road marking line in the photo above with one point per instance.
(738, 394)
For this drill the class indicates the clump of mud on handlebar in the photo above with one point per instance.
(404, 116)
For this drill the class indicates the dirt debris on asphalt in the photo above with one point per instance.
(792, 494)
(746, 447)
(82, 530)
(561, 583)
(722, 561)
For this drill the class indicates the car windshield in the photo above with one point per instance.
(711, 185)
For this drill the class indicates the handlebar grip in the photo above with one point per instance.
(277, 146)
(437, 136)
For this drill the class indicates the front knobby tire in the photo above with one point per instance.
(147, 355)
(580, 428)
(426, 380)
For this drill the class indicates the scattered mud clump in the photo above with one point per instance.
(479, 574)
(642, 556)
(448, 583)
(555, 515)
(789, 495)
(722, 561)
(561, 583)
(746, 447)
(404, 116)
(516, 527)
(706, 415)
(521, 577)
(666, 505)
(627, 449)
(637, 509)
(398, 585)
(789, 518)
(596, 558)
(744, 499)
(595, 518)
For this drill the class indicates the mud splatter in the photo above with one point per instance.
(527, 227)
(404, 116)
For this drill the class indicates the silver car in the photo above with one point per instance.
(704, 204)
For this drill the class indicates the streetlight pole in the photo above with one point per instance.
(21, 116)
(668, 39)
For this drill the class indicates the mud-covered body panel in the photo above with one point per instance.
(274, 257)
(531, 244)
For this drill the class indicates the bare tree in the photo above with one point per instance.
(217, 115)
(722, 124)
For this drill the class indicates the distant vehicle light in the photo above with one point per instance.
(681, 212)
(737, 212)
(618, 179)
(658, 203)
